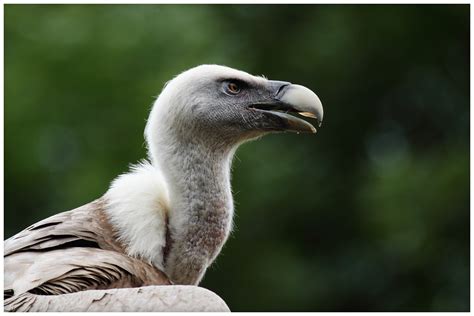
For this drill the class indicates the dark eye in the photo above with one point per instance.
(233, 88)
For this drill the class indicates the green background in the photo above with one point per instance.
(370, 214)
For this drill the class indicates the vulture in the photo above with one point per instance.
(165, 221)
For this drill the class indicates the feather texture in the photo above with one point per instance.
(137, 206)
(70, 252)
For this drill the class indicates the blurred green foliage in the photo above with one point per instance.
(371, 214)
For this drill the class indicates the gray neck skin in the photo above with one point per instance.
(201, 207)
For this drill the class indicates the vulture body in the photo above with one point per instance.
(166, 220)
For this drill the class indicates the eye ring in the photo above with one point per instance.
(233, 88)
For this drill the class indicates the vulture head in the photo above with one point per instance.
(221, 107)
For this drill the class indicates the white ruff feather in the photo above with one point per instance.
(137, 207)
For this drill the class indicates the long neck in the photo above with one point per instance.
(201, 207)
(198, 177)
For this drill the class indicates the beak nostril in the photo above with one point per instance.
(280, 89)
(276, 88)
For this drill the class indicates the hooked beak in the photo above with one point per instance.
(294, 99)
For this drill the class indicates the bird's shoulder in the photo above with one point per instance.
(76, 269)
(73, 251)
(86, 226)
(101, 245)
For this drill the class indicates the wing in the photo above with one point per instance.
(72, 251)
(66, 271)
(85, 226)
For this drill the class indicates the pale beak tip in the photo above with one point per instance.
(305, 101)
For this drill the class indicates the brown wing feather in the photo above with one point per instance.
(70, 252)
(77, 269)
(84, 226)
